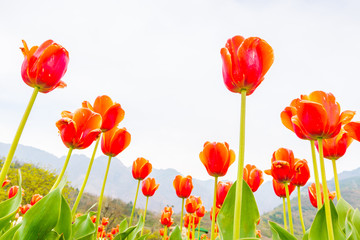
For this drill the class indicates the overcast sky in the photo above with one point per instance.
(160, 60)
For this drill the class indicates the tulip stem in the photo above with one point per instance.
(289, 208)
(316, 175)
(147, 200)
(78, 198)
(133, 209)
(326, 192)
(188, 231)
(300, 210)
(337, 185)
(102, 195)
(284, 210)
(19, 131)
(193, 226)
(199, 228)
(214, 211)
(62, 170)
(238, 195)
(182, 214)
(165, 231)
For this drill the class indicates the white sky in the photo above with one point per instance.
(160, 60)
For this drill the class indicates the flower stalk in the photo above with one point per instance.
(63, 169)
(336, 179)
(300, 211)
(316, 175)
(289, 208)
(284, 211)
(133, 209)
(146, 205)
(214, 211)
(182, 214)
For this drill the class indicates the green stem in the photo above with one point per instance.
(188, 232)
(199, 228)
(289, 208)
(165, 231)
(133, 209)
(78, 198)
(102, 195)
(62, 170)
(214, 211)
(337, 185)
(316, 175)
(300, 211)
(326, 193)
(238, 195)
(142, 230)
(284, 210)
(19, 131)
(193, 226)
(182, 214)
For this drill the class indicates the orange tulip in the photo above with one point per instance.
(141, 168)
(13, 191)
(161, 231)
(245, 63)
(104, 221)
(79, 129)
(222, 191)
(112, 113)
(279, 188)
(216, 212)
(93, 218)
(183, 186)
(166, 219)
(302, 172)
(253, 177)
(109, 236)
(192, 204)
(217, 158)
(114, 231)
(25, 208)
(282, 165)
(312, 194)
(353, 129)
(44, 66)
(5, 182)
(258, 234)
(201, 211)
(149, 187)
(35, 198)
(115, 141)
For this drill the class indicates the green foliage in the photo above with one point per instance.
(83, 228)
(278, 233)
(176, 234)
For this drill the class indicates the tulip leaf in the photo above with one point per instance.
(142, 237)
(318, 228)
(123, 225)
(64, 223)
(83, 228)
(138, 227)
(351, 232)
(356, 219)
(306, 235)
(342, 208)
(9, 208)
(278, 233)
(123, 235)
(10, 233)
(53, 236)
(176, 234)
(249, 214)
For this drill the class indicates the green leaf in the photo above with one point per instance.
(356, 219)
(10, 233)
(138, 227)
(64, 223)
(123, 225)
(8, 208)
(123, 235)
(318, 228)
(83, 228)
(351, 232)
(176, 234)
(249, 214)
(306, 235)
(342, 208)
(53, 236)
(142, 237)
(278, 233)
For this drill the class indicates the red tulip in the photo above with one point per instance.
(79, 129)
(253, 177)
(166, 217)
(187, 219)
(279, 188)
(282, 165)
(217, 158)
(216, 213)
(115, 141)
(222, 190)
(258, 233)
(112, 113)
(302, 172)
(13, 191)
(312, 194)
(161, 231)
(35, 198)
(5, 182)
(44, 66)
(109, 236)
(149, 186)
(183, 186)
(353, 129)
(114, 231)
(141, 168)
(93, 218)
(201, 211)
(245, 63)
(25, 208)
(192, 204)
(104, 221)
(101, 228)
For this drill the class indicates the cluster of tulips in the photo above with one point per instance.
(315, 117)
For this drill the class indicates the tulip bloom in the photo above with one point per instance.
(13, 191)
(115, 141)
(302, 172)
(253, 177)
(201, 211)
(187, 219)
(25, 208)
(114, 231)
(183, 186)
(79, 129)
(279, 188)
(192, 204)
(216, 213)
(282, 165)
(312, 194)
(104, 221)
(112, 113)
(5, 182)
(222, 190)
(335, 147)
(245, 63)
(149, 187)
(217, 158)
(93, 218)
(44, 66)
(353, 129)
(141, 168)
(166, 219)
(35, 198)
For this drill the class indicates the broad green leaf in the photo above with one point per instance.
(8, 208)
(64, 223)
(342, 208)
(83, 228)
(143, 237)
(278, 233)
(53, 236)
(351, 232)
(249, 214)
(176, 234)
(318, 228)
(123, 235)
(123, 225)
(10, 233)
(306, 235)
(138, 227)
(356, 219)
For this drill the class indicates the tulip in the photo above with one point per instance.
(302, 172)
(312, 194)
(148, 188)
(200, 214)
(25, 208)
(161, 231)
(258, 233)
(187, 219)
(192, 204)
(166, 219)
(183, 187)
(253, 177)
(35, 198)
(5, 182)
(282, 165)
(212, 213)
(13, 191)
(222, 191)
(110, 236)
(104, 221)
(114, 231)
(93, 218)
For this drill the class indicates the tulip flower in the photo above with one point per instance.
(312, 194)
(35, 198)
(200, 213)
(253, 177)
(104, 221)
(192, 204)
(114, 231)
(148, 188)
(141, 169)
(222, 191)
(93, 218)
(5, 182)
(183, 187)
(13, 191)
(212, 213)
(282, 165)
(166, 219)
(25, 208)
